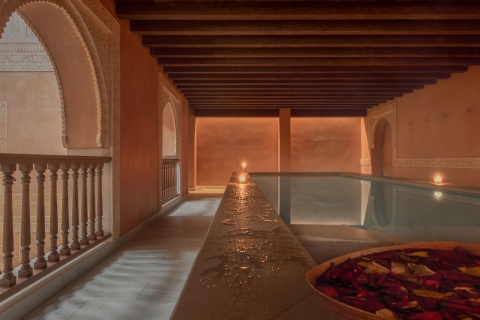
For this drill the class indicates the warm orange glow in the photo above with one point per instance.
(438, 179)
(241, 178)
(244, 165)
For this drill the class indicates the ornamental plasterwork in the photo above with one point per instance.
(171, 96)
(389, 113)
(110, 58)
(20, 49)
(3, 126)
(87, 18)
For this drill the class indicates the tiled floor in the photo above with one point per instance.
(142, 279)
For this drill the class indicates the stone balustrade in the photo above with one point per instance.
(169, 179)
(80, 218)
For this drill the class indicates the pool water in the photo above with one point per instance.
(398, 211)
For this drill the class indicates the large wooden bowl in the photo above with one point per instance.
(344, 311)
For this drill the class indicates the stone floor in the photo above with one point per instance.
(143, 278)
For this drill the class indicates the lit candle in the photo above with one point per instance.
(438, 179)
(244, 165)
(241, 178)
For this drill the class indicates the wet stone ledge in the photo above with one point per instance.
(250, 266)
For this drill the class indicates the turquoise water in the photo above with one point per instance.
(407, 212)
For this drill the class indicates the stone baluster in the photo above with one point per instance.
(83, 206)
(40, 262)
(25, 239)
(65, 249)
(91, 230)
(99, 232)
(75, 245)
(53, 255)
(8, 279)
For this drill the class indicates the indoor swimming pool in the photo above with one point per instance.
(397, 211)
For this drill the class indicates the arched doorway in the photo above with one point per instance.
(170, 156)
(169, 138)
(382, 151)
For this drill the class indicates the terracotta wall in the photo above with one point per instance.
(441, 121)
(34, 123)
(325, 144)
(223, 143)
(138, 129)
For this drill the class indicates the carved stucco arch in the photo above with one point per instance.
(384, 121)
(169, 102)
(72, 132)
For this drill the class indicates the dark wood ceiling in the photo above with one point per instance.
(325, 58)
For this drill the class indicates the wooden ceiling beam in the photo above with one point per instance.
(292, 95)
(295, 100)
(377, 52)
(310, 76)
(311, 69)
(318, 62)
(260, 105)
(243, 112)
(316, 41)
(302, 10)
(300, 87)
(259, 91)
(273, 83)
(307, 27)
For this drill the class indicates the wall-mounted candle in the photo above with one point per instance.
(244, 165)
(241, 178)
(438, 179)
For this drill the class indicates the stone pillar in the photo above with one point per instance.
(284, 164)
(284, 140)
(192, 152)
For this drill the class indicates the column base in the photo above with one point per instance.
(25, 272)
(40, 264)
(53, 257)
(8, 281)
(65, 251)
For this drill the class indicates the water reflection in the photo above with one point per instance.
(381, 199)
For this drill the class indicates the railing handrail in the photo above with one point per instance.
(11, 158)
(170, 160)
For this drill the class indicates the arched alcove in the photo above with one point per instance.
(382, 151)
(169, 145)
(81, 85)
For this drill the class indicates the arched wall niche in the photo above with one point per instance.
(382, 151)
(170, 130)
(169, 97)
(67, 40)
(379, 132)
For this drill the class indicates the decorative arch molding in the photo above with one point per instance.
(172, 105)
(169, 95)
(389, 113)
(100, 33)
(34, 12)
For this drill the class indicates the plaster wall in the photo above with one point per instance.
(34, 123)
(441, 121)
(223, 143)
(184, 147)
(325, 144)
(138, 131)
